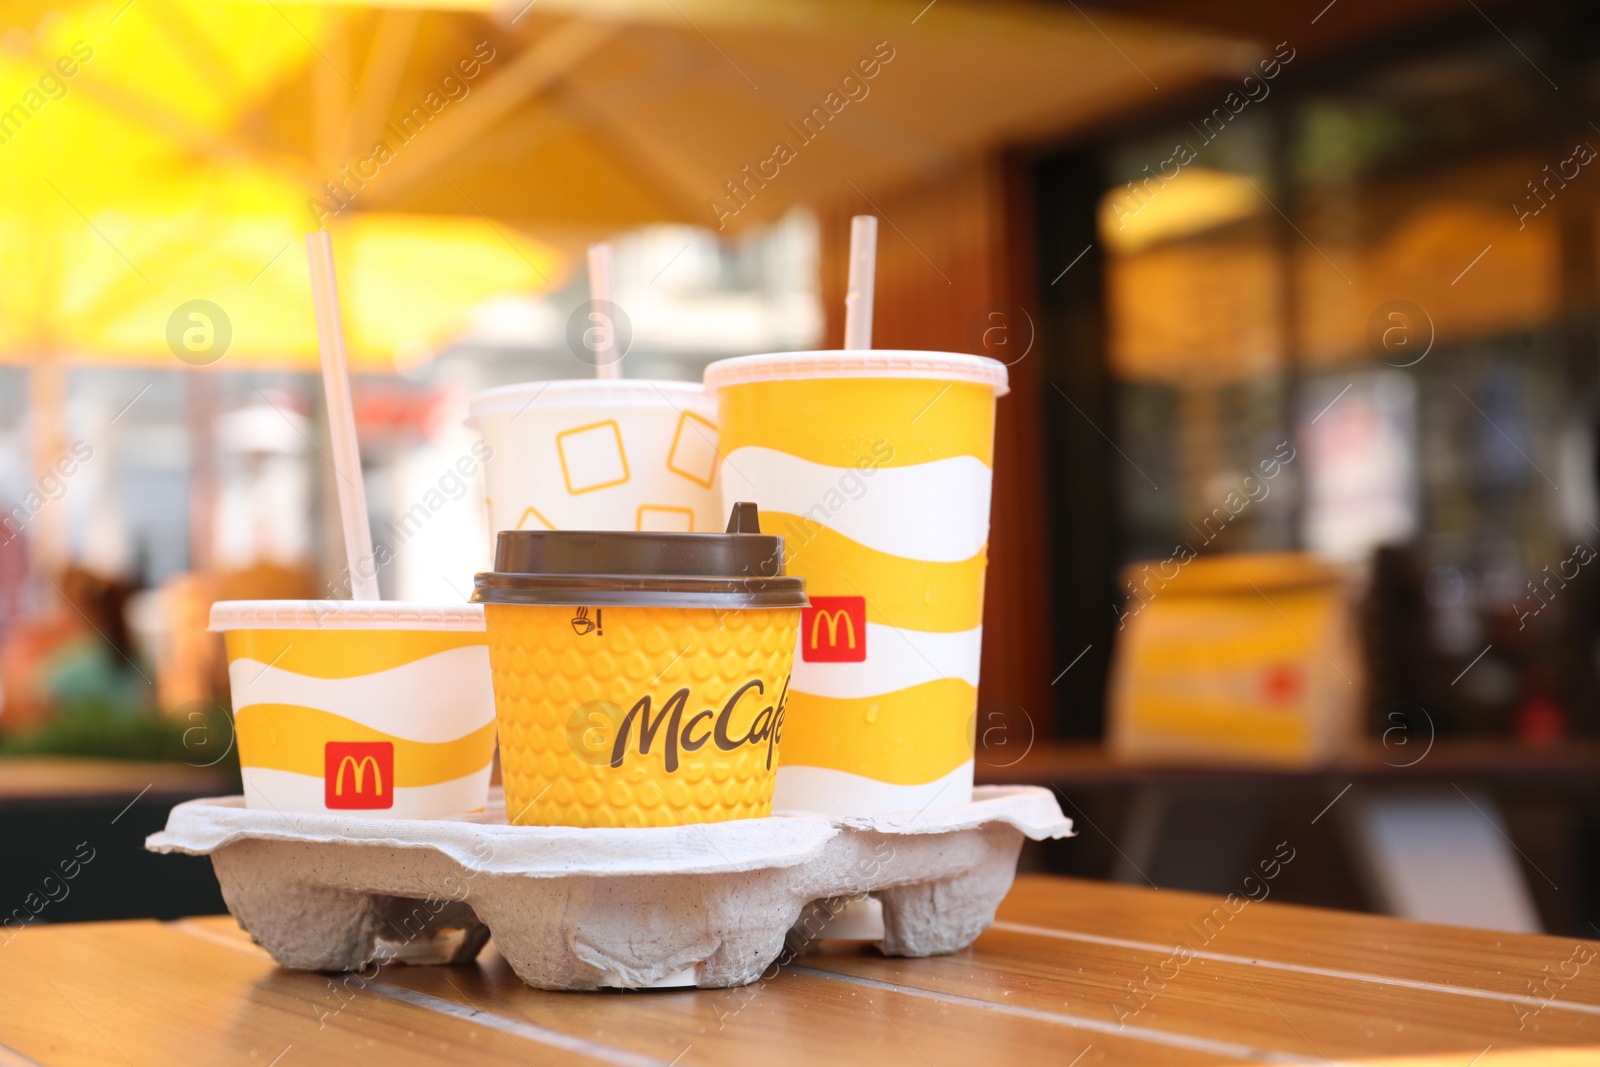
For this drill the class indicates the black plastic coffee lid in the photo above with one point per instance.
(742, 568)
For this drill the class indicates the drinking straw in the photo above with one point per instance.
(863, 270)
(341, 419)
(601, 289)
(862, 918)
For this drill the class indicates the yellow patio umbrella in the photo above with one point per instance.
(600, 114)
(727, 113)
(126, 195)
(166, 151)
(114, 285)
(157, 152)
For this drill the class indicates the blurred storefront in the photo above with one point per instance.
(1389, 270)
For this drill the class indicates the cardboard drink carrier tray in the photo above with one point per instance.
(708, 904)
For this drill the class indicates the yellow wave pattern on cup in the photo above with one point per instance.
(593, 731)
(879, 732)
(296, 691)
(285, 737)
(915, 593)
(927, 728)
(923, 420)
(344, 653)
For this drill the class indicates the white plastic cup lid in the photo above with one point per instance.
(344, 615)
(515, 398)
(859, 363)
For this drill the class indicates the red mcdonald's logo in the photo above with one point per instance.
(834, 630)
(358, 774)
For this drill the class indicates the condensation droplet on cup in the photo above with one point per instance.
(872, 713)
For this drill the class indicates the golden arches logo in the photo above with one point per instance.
(366, 765)
(360, 775)
(833, 619)
(847, 613)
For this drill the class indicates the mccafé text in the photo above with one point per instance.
(715, 726)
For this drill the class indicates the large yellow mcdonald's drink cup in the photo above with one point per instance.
(875, 467)
(381, 709)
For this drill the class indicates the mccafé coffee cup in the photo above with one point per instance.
(640, 679)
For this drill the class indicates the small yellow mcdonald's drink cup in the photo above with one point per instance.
(382, 710)
(876, 468)
(640, 679)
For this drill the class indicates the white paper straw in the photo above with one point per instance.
(602, 291)
(863, 271)
(341, 420)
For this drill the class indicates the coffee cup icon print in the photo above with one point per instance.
(583, 625)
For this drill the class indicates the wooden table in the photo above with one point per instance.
(1052, 983)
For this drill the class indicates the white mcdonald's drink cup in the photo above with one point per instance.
(619, 454)
(876, 467)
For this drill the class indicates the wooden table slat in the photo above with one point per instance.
(1530, 966)
(1284, 984)
(141, 993)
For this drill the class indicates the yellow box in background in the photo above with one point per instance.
(1247, 657)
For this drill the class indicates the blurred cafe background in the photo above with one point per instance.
(1296, 486)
